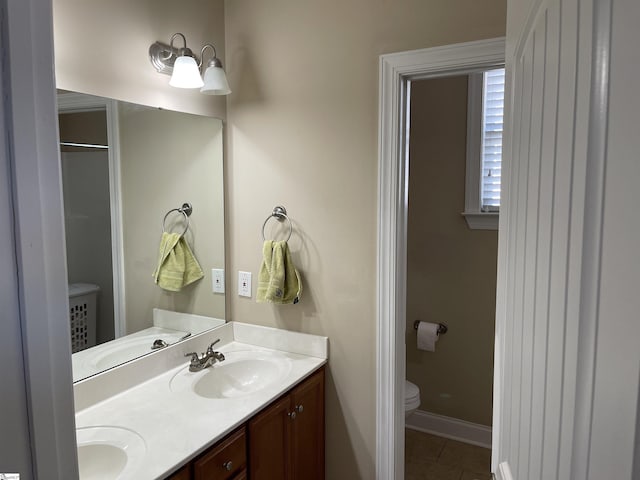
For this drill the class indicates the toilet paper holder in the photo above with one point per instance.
(442, 328)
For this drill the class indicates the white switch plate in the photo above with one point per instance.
(217, 280)
(244, 284)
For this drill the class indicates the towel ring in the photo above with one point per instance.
(185, 210)
(280, 214)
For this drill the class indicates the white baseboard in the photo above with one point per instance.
(452, 428)
(503, 472)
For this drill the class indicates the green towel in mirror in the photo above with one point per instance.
(278, 280)
(177, 266)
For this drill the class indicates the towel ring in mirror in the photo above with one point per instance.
(280, 214)
(185, 210)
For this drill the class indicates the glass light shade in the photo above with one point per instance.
(186, 73)
(215, 82)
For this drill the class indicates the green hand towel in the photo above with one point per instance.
(177, 267)
(278, 279)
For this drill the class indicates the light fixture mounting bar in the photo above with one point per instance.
(163, 57)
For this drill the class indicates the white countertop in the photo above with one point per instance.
(175, 423)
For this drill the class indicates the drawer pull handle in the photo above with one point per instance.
(299, 408)
(227, 465)
(292, 415)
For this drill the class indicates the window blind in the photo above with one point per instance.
(492, 126)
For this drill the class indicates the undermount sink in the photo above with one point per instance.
(241, 373)
(107, 453)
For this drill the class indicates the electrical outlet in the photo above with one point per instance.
(217, 280)
(244, 284)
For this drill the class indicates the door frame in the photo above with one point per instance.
(78, 102)
(34, 167)
(396, 71)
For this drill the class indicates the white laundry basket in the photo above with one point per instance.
(82, 315)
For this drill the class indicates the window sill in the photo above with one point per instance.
(481, 220)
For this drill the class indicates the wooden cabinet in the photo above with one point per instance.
(286, 440)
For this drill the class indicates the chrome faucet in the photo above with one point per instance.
(207, 359)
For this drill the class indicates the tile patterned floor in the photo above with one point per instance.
(428, 457)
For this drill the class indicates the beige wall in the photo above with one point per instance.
(302, 131)
(102, 48)
(168, 158)
(451, 270)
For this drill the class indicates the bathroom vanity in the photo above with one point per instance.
(285, 440)
(257, 414)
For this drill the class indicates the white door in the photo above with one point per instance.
(15, 454)
(568, 327)
(37, 422)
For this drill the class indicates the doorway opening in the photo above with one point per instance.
(451, 272)
(397, 71)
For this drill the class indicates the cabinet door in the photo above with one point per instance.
(307, 432)
(269, 444)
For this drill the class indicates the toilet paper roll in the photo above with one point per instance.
(427, 336)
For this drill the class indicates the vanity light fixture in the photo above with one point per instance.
(215, 80)
(184, 67)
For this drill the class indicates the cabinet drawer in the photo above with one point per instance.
(225, 460)
(183, 474)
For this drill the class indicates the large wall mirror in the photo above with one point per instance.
(127, 172)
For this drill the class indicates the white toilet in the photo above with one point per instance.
(411, 398)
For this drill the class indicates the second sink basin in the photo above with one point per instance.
(107, 452)
(101, 461)
(241, 373)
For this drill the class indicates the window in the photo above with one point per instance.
(484, 149)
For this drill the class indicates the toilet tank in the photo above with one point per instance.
(83, 299)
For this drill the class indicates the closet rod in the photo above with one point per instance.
(83, 145)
